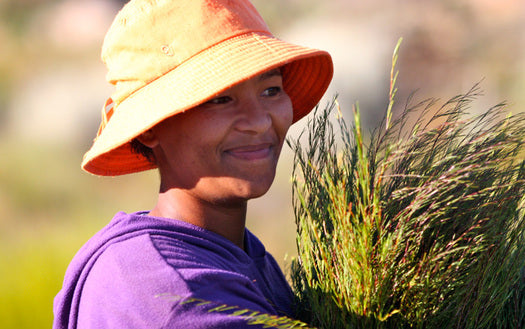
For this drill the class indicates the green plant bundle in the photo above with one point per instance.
(420, 227)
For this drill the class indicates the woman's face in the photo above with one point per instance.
(226, 150)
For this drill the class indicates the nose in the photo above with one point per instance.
(254, 116)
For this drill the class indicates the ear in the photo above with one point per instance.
(148, 138)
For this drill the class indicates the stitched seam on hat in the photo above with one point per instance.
(264, 44)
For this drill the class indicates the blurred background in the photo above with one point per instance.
(52, 87)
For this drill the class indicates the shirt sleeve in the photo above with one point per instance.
(131, 286)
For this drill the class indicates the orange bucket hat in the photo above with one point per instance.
(168, 56)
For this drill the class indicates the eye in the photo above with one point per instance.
(272, 91)
(219, 100)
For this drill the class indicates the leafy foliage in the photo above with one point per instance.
(419, 227)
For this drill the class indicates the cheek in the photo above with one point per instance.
(284, 116)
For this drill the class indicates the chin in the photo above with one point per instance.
(240, 198)
(236, 190)
(254, 192)
(252, 189)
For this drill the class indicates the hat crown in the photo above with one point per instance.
(149, 38)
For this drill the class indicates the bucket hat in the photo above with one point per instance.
(168, 56)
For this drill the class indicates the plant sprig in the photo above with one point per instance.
(421, 227)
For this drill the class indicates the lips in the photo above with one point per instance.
(251, 152)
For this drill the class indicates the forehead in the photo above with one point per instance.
(258, 78)
(269, 74)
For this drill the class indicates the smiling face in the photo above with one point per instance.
(226, 150)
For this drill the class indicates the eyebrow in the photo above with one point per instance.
(271, 73)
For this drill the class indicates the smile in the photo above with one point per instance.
(251, 152)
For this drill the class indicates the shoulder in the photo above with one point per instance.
(158, 279)
(125, 285)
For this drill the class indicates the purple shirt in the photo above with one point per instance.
(146, 272)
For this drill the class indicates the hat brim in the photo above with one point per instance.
(306, 75)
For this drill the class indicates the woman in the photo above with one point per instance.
(206, 94)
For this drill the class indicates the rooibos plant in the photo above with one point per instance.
(419, 227)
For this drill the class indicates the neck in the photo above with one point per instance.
(227, 219)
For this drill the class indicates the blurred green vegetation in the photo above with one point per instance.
(50, 208)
